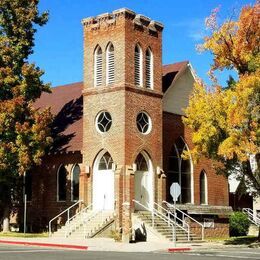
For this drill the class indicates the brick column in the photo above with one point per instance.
(161, 188)
(83, 183)
(126, 206)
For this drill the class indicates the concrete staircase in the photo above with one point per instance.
(86, 224)
(166, 231)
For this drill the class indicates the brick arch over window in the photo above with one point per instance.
(203, 188)
(110, 64)
(138, 65)
(98, 66)
(149, 68)
(180, 170)
(61, 183)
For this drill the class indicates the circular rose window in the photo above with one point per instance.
(144, 123)
(103, 121)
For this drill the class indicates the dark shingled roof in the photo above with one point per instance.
(171, 72)
(66, 104)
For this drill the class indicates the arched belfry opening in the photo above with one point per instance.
(103, 182)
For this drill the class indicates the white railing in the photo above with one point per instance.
(66, 211)
(251, 216)
(183, 214)
(81, 217)
(184, 226)
(163, 217)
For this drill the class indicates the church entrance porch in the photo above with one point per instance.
(103, 182)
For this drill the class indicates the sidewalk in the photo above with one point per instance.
(108, 244)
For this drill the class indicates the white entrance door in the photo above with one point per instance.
(103, 190)
(142, 189)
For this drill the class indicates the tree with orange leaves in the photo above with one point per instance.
(225, 121)
(24, 131)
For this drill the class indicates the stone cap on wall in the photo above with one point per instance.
(138, 19)
(205, 209)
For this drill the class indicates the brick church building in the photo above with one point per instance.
(119, 134)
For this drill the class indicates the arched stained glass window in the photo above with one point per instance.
(179, 170)
(61, 183)
(75, 183)
(141, 163)
(106, 162)
(203, 188)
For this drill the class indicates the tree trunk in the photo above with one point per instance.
(258, 234)
(6, 220)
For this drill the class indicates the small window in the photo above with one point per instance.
(103, 121)
(110, 64)
(149, 68)
(75, 183)
(203, 188)
(106, 162)
(98, 67)
(28, 186)
(144, 123)
(141, 163)
(61, 183)
(138, 66)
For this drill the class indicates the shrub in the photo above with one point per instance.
(239, 224)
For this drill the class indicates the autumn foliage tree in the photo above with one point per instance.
(225, 121)
(24, 131)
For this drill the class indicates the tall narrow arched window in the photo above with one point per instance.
(75, 183)
(138, 66)
(179, 170)
(61, 183)
(98, 67)
(203, 188)
(110, 58)
(149, 68)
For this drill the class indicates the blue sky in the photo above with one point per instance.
(59, 44)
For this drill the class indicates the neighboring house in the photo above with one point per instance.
(119, 134)
(241, 197)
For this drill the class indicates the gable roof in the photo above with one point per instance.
(66, 103)
(171, 73)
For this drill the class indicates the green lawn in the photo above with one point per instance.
(29, 235)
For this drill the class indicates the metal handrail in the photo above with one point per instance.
(188, 216)
(68, 214)
(251, 216)
(82, 219)
(176, 217)
(157, 213)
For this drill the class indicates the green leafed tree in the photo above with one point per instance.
(225, 121)
(24, 130)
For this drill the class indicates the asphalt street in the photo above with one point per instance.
(11, 252)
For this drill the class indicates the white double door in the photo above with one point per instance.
(143, 189)
(103, 190)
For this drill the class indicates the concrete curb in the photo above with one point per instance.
(43, 244)
(178, 249)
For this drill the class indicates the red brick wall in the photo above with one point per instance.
(217, 185)
(44, 205)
